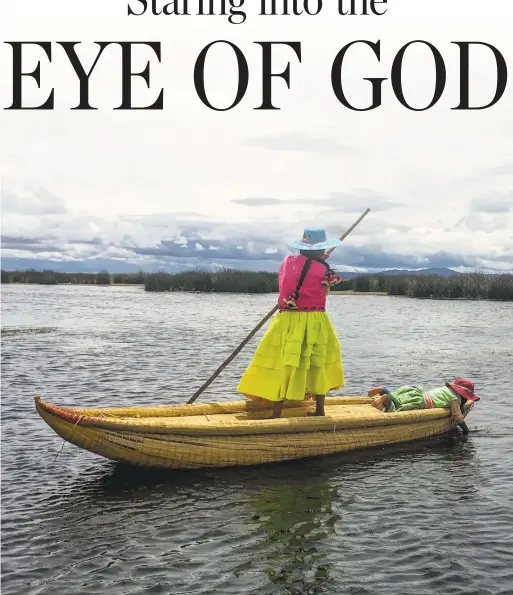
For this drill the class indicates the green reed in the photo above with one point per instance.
(222, 281)
(47, 277)
(478, 286)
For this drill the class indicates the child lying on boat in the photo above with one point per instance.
(452, 396)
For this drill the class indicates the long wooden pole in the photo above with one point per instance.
(259, 326)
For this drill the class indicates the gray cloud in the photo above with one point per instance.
(369, 257)
(344, 202)
(506, 169)
(194, 228)
(371, 227)
(259, 201)
(164, 240)
(212, 249)
(93, 242)
(164, 217)
(254, 253)
(483, 222)
(375, 257)
(19, 241)
(493, 202)
(38, 201)
(297, 141)
(356, 202)
(28, 244)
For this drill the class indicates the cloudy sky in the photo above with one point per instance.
(188, 186)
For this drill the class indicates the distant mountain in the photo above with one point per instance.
(349, 275)
(441, 271)
(118, 266)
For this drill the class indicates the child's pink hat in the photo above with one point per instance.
(464, 388)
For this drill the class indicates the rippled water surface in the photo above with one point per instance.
(429, 518)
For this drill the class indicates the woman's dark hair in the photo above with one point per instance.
(314, 253)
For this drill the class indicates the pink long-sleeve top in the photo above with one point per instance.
(312, 295)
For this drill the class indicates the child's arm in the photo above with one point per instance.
(456, 411)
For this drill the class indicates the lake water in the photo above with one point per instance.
(429, 518)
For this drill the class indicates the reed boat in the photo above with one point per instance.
(236, 433)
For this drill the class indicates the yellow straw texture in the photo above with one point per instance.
(236, 432)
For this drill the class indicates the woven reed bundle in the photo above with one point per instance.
(204, 408)
(189, 452)
(338, 417)
(237, 436)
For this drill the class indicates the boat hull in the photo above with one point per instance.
(236, 433)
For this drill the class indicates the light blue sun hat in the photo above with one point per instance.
(314, 239)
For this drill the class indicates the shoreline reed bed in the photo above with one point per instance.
(222, 281)
(471, 286)
(475, 286)
(48, 277)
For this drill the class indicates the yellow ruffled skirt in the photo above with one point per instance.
(298, 356)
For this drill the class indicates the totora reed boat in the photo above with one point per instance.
(237, 432)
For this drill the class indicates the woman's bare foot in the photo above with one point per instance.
(378, 390)
(380, 402)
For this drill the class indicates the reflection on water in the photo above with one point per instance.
(386, 521)
(295, 516)
(301, 510)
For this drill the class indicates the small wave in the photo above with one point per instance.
(23, 331)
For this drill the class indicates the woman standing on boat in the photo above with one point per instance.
(299, 355)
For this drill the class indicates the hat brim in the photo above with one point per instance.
(329, 243)
(464, 393)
